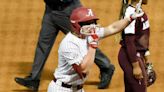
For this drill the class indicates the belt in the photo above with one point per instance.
(67, 85)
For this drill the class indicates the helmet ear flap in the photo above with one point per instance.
(76, 27)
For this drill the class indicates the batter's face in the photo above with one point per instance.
(86, 25)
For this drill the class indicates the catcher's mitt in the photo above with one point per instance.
(151, 75)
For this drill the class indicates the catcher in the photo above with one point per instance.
(134, 53)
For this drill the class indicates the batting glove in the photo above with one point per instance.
(92, 41)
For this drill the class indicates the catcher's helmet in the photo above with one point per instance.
(80, 15)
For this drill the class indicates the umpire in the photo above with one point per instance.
(55, 18)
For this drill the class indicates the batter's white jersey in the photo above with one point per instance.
(71, 51)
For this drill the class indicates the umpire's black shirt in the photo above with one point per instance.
(58, 4)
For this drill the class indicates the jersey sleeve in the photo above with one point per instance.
(72, 55)
(131, 48)
(130, 29)
(130, 36)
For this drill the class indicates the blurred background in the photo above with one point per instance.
(20, 23)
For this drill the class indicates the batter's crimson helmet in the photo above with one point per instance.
(80, 15)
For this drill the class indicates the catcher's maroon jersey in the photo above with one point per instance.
(137, 32)
(142, 33)
(135, 41)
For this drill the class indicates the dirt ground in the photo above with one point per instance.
(20, 23)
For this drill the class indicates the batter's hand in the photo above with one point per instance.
(92, 40)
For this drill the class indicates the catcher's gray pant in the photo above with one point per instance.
(53, 21)
(56, 87)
